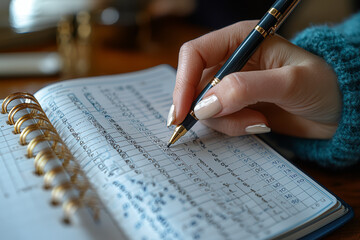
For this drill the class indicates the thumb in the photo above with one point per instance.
(242, 89)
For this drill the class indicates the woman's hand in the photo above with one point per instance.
(282, 87)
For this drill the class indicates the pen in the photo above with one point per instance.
(267, 25)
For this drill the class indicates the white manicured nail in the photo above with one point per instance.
(171, 116)
(257, 129)
(207, 107)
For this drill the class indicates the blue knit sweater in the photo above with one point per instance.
(340, 47)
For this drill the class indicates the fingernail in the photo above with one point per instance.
(207, 107)
(171, 116)
(257, 129)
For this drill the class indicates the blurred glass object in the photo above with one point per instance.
(29, 64)
(129, 20)
(74, 44)
(34, 15)
(4, 13)
(29, 23)
(25, 23)
(109, 16)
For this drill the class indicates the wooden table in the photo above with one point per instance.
(164, 47)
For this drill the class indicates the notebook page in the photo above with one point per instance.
(206, 186)
(24, 204)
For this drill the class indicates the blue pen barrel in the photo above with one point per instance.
(241, 55)
(246, 49)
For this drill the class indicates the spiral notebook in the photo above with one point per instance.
(88, 159)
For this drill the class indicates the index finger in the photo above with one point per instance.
(197, 55)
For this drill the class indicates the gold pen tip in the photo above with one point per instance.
(179, 132)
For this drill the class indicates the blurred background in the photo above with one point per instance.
(42, 41)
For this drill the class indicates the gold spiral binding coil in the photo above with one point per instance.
(91, 201)
(73, 204)
(73, 179)
(50, 176)
(47, 130)
(45, 155)
(41, 159)
(41, 138)
(66, 157)
(33, 107)
(63, 153)
(59, 191)
(30, 116)
(69, 209)
(14, 96)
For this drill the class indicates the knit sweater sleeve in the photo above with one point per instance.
(339, 46)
